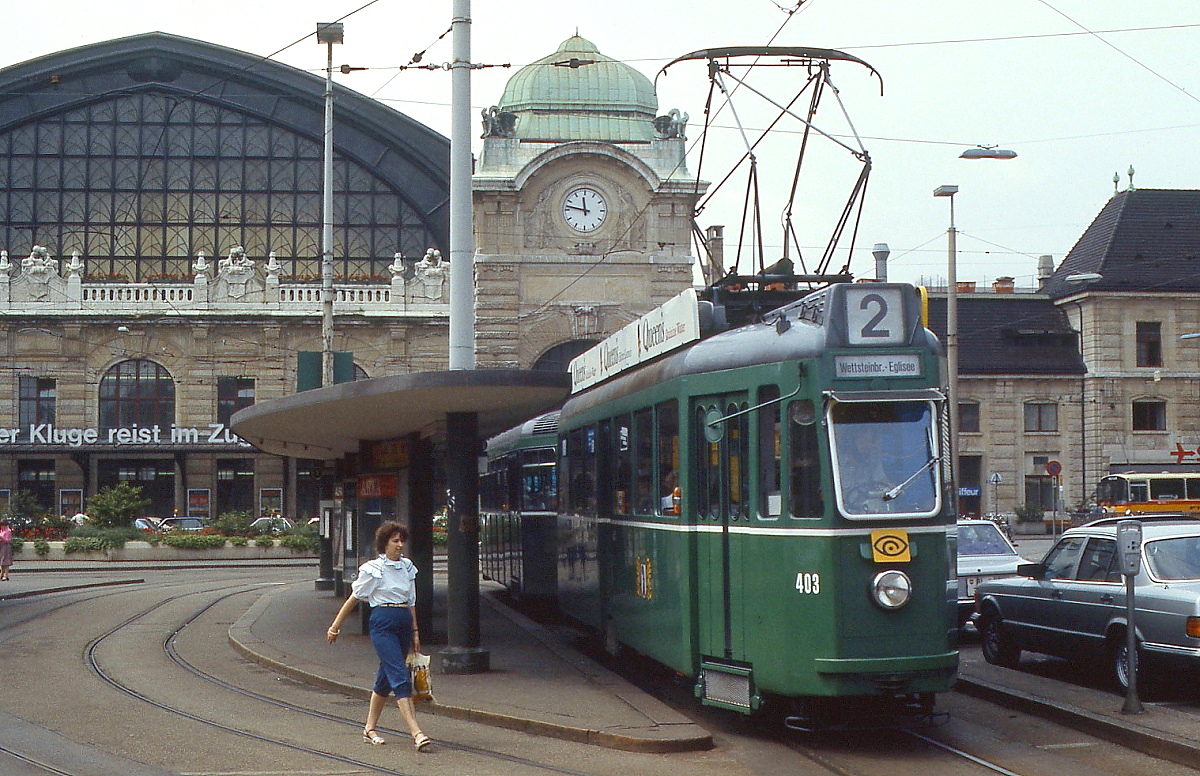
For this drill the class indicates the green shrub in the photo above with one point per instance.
(116, 537)
(41, 548)
(264, 540)
(300, 542)
(234, 523)
(238, 541)
(17, 544)
(85, 544)
(116, 505)
(194, 541)
(1027, 514)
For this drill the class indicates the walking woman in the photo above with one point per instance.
(386, 584)
(6, 535)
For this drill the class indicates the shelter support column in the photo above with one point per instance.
(463, 654)
(422, 501)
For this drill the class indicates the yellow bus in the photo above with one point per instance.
(1138, 493)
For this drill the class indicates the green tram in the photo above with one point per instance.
(766, 509)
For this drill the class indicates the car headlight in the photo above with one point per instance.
(891, 589)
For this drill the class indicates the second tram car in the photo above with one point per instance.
(765, 509)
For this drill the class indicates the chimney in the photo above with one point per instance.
(714, 238)
(1045, 268)
(1003, 285)
(881, 253)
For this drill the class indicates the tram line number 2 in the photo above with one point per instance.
(808, 582)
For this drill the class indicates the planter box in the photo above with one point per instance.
(144, 552)
(1036, 528)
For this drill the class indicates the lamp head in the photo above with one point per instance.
(945, 191)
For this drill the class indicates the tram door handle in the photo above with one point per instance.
(1106, 599)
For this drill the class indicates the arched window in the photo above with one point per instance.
(137, 392)
(557, 358)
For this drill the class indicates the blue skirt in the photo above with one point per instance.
(391, 635)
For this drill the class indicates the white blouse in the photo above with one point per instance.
(383, 581)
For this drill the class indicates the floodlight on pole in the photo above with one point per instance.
(328, 34)
(952, 338)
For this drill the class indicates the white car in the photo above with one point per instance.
(984, 553)
(271, 525)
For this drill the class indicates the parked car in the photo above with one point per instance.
(181, 525)
(271, 525)
(147, 524)
(1072, 604)
(984, 553)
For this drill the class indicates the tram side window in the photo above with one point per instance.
(581, 459)
(538, 486)
(622, 479)
(604, 468)
(804, 461)
(643, 460)
(1193, 488)
(739, 461)
(770, 501)
(668, 458)
(708, 472)
(1139, 490)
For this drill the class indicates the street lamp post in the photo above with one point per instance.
(952, 338)
(328, 34)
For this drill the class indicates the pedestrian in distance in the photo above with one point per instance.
(6, 535)
(387, 585)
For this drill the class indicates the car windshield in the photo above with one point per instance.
(1174, 559)
(982, 540)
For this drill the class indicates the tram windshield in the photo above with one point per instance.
(887, 460)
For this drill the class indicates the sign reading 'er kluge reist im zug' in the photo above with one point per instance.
(675, 323)
(49, 434)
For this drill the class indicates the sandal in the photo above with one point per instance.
(373, 738)
(420, 740)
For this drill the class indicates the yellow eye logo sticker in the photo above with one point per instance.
(890, 545)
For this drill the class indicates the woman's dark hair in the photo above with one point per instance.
(385, 532)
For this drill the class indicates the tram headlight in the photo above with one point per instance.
(891, 589)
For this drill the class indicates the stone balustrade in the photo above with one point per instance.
(237, 284)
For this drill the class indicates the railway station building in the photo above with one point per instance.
(160, 256)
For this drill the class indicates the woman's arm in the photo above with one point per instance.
(332, 634)
(416, 639)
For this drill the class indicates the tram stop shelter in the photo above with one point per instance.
(381, 438)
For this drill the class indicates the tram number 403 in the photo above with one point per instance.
(808, 582)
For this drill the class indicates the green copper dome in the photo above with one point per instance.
(577, 93)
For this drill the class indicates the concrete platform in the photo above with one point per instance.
(537, 683)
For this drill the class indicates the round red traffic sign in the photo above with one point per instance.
(1054, 468)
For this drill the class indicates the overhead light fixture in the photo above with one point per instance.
(988, 152)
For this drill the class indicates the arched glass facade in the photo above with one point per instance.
(137, 392)
(139, 184)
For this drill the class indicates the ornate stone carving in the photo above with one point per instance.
(499, 123)
(430, 279)
(672, 125)
(236, 270)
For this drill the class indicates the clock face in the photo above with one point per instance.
(584, 209)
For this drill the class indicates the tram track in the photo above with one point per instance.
(169, 647)
(21, 757)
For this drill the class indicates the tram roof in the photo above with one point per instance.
(330, 422)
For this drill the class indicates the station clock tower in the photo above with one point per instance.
(583, 208)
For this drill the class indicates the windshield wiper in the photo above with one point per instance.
(896, 491)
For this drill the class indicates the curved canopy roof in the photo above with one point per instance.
(406, 155)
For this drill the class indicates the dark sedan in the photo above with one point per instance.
(1072, 604)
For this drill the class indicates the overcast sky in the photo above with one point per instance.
(1080, 89)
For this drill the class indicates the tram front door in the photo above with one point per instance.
(721, 429)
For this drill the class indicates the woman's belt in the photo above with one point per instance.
(403, 605)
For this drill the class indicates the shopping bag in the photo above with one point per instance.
(418, 666)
